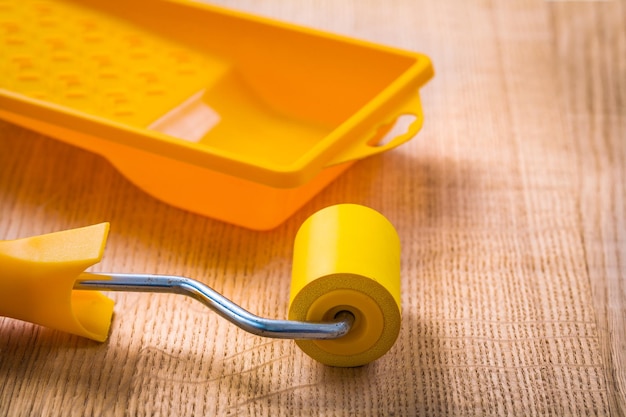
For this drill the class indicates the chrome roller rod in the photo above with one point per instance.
(278, 329)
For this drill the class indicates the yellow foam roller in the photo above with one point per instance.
(347, 258)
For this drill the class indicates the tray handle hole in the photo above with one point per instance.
(390, 131)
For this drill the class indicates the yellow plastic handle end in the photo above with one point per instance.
(37, 276)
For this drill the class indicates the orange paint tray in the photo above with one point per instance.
(232, 116)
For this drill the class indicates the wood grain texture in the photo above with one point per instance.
(510, 205)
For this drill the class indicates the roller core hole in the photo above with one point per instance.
(346, 317)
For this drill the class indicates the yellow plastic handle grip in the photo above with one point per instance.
(37, 276)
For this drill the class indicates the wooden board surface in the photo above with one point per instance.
(511, 208)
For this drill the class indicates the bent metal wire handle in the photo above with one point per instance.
(278, 329)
